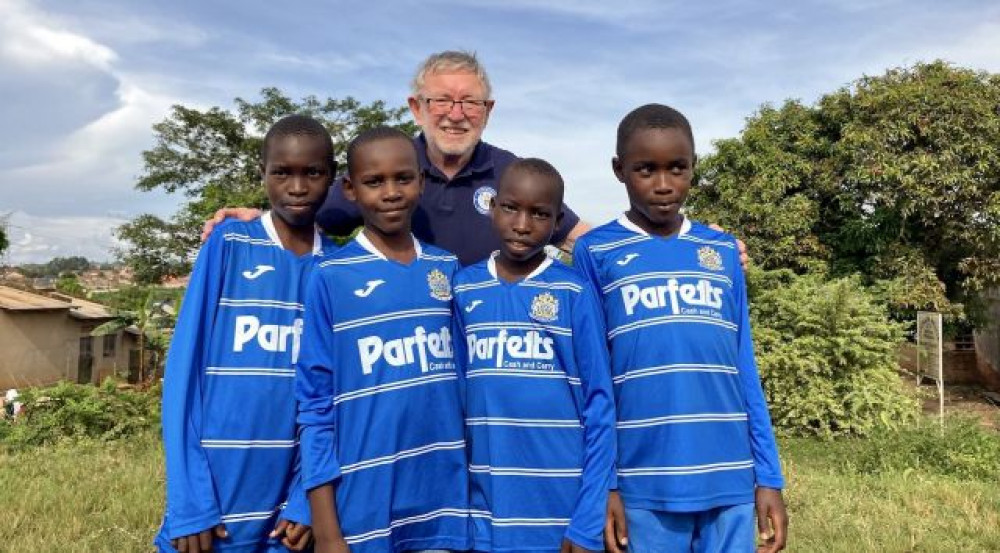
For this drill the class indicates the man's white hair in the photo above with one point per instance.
(451, 61)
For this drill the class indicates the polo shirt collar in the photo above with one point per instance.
(624, 221)
(365, 243)
(272, 233)
(481, 161)
(491, 265)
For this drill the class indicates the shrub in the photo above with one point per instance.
(826, 352)
(962, 449)
(69, 410)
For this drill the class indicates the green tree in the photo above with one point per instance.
(212, 156)
(895, 177)
(4, 242)
(57, 266)
(69, 283)
(153, 312)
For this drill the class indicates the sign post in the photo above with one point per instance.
(930, 354)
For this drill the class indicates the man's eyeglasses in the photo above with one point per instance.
(442, 106)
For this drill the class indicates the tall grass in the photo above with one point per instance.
(93, 495)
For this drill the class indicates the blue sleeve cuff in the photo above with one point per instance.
(771, 481)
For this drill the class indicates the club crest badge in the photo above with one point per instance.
(545, 307)
(481, 199)
(710, 258)
(440, 287)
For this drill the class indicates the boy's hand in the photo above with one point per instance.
(293, 535)
(570, 547)
(744, 258)
(246, 214)
(333, 545)
(200, 542)
(615, 527)
(772, 520)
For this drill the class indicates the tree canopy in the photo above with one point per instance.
(211, 157)
(895, 177)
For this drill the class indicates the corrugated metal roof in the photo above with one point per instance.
(18, 300)
(83, 309)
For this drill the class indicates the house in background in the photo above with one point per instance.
(987, 342)
(45, 338)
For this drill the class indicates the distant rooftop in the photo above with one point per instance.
(13, 299)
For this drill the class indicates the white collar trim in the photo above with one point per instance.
(367, 244)
(624, 221)
(491, 265)
(266, 219)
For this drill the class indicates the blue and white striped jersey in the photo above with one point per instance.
(379, 409)
(229, 390)
(693, 428)
(539, 412)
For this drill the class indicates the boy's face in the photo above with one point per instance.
(656, 167)
(386, 182)
(525, 213)
(297, 175)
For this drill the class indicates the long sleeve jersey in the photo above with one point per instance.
(694, 432)
(228, 394)
(380, 413)
(539, 412)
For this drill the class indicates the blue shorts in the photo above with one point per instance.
(720, 530)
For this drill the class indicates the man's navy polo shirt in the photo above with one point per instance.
(453, 214)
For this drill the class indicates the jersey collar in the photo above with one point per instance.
(367, 244)
(272, 233)
(491, 265)
(624, 221)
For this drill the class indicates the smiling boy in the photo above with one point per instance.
(382, 437)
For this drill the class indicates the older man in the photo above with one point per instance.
(451, 101)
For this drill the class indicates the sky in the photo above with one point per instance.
(83, 82)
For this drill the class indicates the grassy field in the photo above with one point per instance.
(97, 497)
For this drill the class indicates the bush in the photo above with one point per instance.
(69, 410)
(826, 352)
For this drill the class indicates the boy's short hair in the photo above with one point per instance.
(451, 61)
(298, 124)
(534, 166)
(651, 116)
(372, 135)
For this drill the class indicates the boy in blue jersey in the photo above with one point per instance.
(228, 394)
(696, 451)
(383, 450)
(536, 381)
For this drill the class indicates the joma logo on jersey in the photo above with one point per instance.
(673, 295)
(531, 346)
(272, 338)
(407, 350)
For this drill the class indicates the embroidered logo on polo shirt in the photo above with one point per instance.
(440, 287)
(710, 259)
(545, 307)
(481, 198)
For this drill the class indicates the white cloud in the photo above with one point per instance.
(27, 39)
(37, 239)
(75, 146)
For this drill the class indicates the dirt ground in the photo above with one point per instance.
(958, 399)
